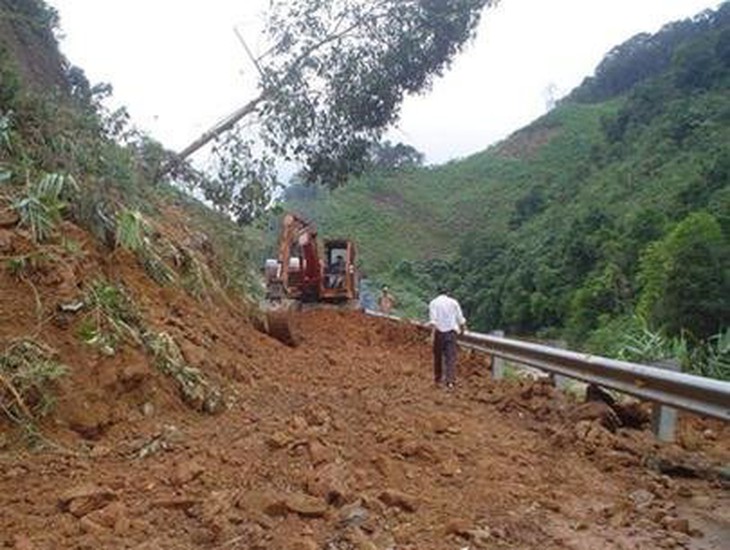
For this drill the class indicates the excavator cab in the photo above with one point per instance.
(339, 278)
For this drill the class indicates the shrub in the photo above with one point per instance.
(27, 372)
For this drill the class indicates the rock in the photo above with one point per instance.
(680, 525)
(458, 527)
(279, 440)
(91, 527)
(298, 423)
(214, 402)
(398, 499)
(6, 241)
(450, 467)
(319, 453)
(133, 375)
(271, 503)
(481, 535)
(177, 503)
(185, 472)
(8, 217)
(440, 423)
(86, 498)
(684, 491)
(114, 516)
(418, 450)
(306, 505)
(173, 434)
(331, 483)
(148, 409)
(192, 353)
(596, 411)
(193, 395)
(353, 515)
(99, 451)
(641, 498)
(305, 543)
(317, 416)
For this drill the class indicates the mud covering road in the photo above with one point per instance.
(343, 443)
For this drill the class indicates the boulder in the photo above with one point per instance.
(84, 499)
(398, 499)
(306, 505)
(8, 217)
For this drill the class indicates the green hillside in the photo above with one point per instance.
(582, 219)
(423, 215)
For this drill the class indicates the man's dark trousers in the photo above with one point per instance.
(444, 357)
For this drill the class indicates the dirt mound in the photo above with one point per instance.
(339, 443)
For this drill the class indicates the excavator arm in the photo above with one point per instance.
(300, 234)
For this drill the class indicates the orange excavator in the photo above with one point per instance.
(302, 274)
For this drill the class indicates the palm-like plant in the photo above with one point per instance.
(44, 202)
(132, 230)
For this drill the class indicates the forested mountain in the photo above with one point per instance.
(614, 206)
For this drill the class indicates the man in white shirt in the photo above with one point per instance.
(446, 319)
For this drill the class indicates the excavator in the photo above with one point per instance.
(303, 276)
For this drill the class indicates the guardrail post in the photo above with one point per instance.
(498, 364)
(558, 380)
(664, 418)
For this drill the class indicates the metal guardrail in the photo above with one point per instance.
(693, 393)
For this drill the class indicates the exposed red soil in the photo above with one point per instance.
(340, 443)
(525, 144)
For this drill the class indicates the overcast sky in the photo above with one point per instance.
(179, 68)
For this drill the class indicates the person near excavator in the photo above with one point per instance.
(386, 301)
(446, 320)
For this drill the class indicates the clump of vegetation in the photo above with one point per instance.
(25, 265)
(132, 230)
(133, 233)
(633, 339)
(194, 387)
(42, 206)
(112, 318)
(197, 278)
(28, 370)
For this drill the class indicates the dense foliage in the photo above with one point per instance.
(614, 205)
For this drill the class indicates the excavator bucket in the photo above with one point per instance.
(280, 325)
